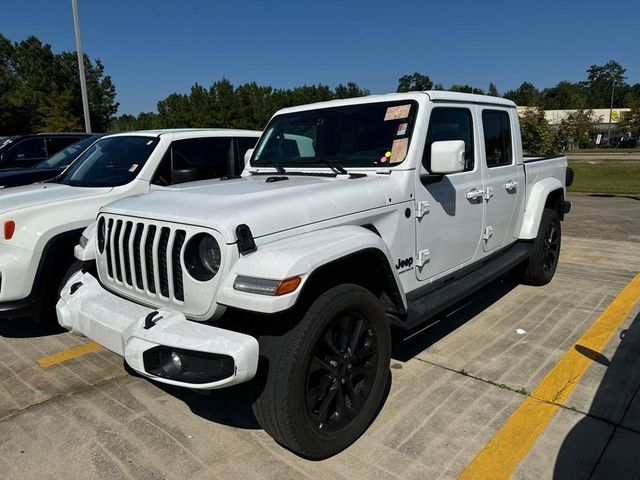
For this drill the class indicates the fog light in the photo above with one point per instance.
(188, 366)
(170, 362)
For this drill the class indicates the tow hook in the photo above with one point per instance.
(150, 320)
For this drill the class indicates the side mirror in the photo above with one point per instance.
(185, 175)
(247, 156)
(447, 157)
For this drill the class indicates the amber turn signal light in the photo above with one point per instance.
(287, 286)
(9, 229)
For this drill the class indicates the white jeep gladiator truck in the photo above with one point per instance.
(351, 216)
(41, 223)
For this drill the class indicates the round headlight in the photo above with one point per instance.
(202, 257)
(102, 234)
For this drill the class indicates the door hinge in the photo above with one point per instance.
(488, 233)
(488, 193)
(422, 208)
(423, 257)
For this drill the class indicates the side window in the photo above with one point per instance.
(194, 159)
(497, 138)
(450, 124)
(55, 144)
(29, 149)
(244, 144)
(162, 176)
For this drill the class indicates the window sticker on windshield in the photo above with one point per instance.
(397, 113)
(385, 158)
(402, 129)
(399, 150)
(133, 168)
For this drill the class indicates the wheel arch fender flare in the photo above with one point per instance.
(302, 255)
(536, 203)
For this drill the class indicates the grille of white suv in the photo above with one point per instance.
(146, 257)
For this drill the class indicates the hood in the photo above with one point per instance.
(28, 172)
(43, 194)
(265, 206)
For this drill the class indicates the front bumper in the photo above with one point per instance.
(120, 326)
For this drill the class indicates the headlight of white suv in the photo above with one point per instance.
(202, 257)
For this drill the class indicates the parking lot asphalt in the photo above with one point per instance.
(471, 379)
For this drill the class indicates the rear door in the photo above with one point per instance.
(502, 188)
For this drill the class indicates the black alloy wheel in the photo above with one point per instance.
(342, 372)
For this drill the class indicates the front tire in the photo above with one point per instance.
(323, 380)
(542, 263)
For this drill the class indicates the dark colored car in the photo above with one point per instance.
(628, 142)
(24, 151)
(48, 169)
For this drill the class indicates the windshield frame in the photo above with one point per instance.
(321, 161)
(64, 177)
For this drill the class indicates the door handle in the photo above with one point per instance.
(475, 193)
(511, 185)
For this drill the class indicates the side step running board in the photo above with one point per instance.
(424, 304)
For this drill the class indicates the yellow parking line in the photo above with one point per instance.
(510, 444)
(65, 355)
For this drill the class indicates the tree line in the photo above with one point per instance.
(40, 90)
(227, 106)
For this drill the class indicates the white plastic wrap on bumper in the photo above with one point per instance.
(118, 325)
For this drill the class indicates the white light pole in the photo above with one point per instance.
(83, 82)
(613, 89)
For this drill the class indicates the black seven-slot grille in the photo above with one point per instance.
(146, 258)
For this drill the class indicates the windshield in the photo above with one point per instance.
(366, 135)
(110, 162)
(64, 157)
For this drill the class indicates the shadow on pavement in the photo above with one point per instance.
(227, 406)
(28, 328)
(407, 345)
(612, 195)
(592, 448)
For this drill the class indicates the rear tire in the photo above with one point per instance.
(321, 383)
(542, 263)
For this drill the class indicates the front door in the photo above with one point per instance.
(448, 215)
(502, 188)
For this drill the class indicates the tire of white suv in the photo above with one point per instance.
(542, 263)
(323, 381)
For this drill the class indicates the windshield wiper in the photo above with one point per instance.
(338, 169)
(279, 168)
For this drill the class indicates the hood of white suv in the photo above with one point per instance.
(266, 206)
(28, 196)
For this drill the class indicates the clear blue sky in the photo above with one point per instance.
(153, 48)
